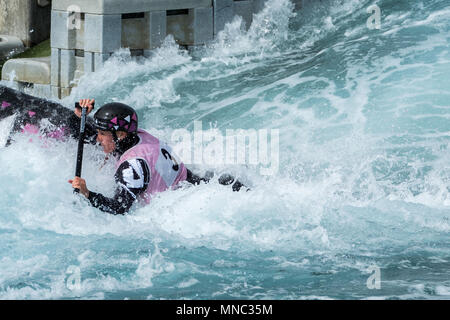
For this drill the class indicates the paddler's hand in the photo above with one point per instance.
(79, 183)
(85, 103)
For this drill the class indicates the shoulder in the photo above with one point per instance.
(137, 164)
(134, 173)
(147, 138)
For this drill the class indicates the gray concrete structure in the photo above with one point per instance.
(29, 20)
(192, 27)
(84, 33)
(128, 6)
(156, 29)
(36, 70)
(203, 26)
(103, 33)
(91, 30)
(10, 45)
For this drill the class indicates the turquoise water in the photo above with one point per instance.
(362, 182)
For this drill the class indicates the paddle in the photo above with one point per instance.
(80, 142)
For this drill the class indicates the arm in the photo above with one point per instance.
(132, 178)
(120, 204)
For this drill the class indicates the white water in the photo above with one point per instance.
(363, 181)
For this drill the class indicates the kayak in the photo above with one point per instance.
(21, 112)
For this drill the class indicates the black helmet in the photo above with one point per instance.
(116, 116)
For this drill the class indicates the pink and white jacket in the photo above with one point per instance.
(166, 171)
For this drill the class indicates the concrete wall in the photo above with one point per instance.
(10, 45)
(128, 6)
(84, 33)
(29, 20)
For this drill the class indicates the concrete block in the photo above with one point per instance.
(134, 33)
(89, 62)
(55, 67)
(26, 20)
(67, 30)
(79, 35)
(245, 10)
(94, 61)
(55, 92)
(10, 45)
(99, 59)
(180, 26)
(32, 70)
(203, 25)
(192, 27)
(63, 66)
(79, 70)
(67, 67)
(129, 6)
(102, 33)
(157, 28)
(63, 36)
(223, 14)
(60, 92)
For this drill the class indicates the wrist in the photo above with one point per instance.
(86, 193)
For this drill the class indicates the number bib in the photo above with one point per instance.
(166, 165)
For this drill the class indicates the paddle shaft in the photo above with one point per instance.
(80, 146)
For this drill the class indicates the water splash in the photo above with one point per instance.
(363, 180)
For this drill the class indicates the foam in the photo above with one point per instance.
(363, 174)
